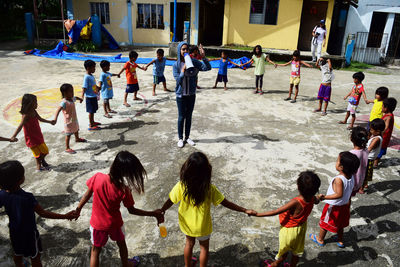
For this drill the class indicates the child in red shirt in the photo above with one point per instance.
(132, 84)
(388, 106)
(293, 219)
(108, 191)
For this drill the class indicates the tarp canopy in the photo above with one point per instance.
(59, 53)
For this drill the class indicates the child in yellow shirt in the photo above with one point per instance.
(376, 112)
(195, 193)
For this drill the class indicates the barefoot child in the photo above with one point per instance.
(20, 206)
(389, 105)
(336, 213)
(108, 191)
(359, 138)
(324, 92)
(67, 106)
(158, 70)
(259, 58)
(376, 112)
(33, 134)
(223, 69)
(132, 84)
(196, 193)
(374, 145)
(295, 63)
(106, 87)
(354, 100)
(293, 219)
(90, 91)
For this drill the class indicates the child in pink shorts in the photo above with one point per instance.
(108, 191)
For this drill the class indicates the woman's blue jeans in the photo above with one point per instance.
(185, 109)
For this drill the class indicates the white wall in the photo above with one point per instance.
(359, 19)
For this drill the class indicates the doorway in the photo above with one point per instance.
(312, 13)
(211, 24)
(182, 14)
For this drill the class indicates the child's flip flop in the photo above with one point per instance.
(194, 261)
(313, 238)
(265, 263)
(135, 260)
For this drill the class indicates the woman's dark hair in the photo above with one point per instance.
(349, 162)
(308, 184)
(196, 177)
(27, 103)
(359, 136)
(383, 92)
(259, 49)
(127, 167)
(377, 125)
(133, 55)
(65, 88)
(160, 52)
(11, 172)
(104, 63)
(296, 53)
(390, 103)
(359, 76)
(89, 63)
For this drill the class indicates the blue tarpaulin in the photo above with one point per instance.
(75, 33)
(59, 53)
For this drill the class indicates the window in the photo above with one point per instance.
(102, 10)
(264, 12)
(150, 16)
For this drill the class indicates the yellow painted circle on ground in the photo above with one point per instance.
(48, 102)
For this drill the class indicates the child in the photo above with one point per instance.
(33, 134)
(296, 63)
(185, 90)
(324, 92)
(196, 194)
(91, 91)
(108, 191)
(71, 125)
(359, 138)
(389, 105)
(195, 53)
(376, 112)
(259, 59)
(158, 70)
(106, 87)
(374, 145)
(20, 207)
(223, 68)
(293, 218)
(355, 96)
(132, 85)
(336, 213)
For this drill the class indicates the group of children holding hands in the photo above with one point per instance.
(195, 191)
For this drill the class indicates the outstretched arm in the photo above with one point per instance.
(57, 113)
(365, 98)
(7, 139)
(306, 64)
(284, 64)
(250, 61)
(44, 120)
(233, 63)
(52, 215)
(290, 205)
(232, 206)
(88, 194)
(19, 128)
(158, 214)
(215, 59)
(148, 64)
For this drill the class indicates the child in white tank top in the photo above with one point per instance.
(336, 213)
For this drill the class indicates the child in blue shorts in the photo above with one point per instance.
(106, 87)
(90, 91)
(158, 70)
(223, 69)
(132, 84)
(20, 207)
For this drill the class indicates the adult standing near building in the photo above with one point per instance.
(186, 81)
(318, 40)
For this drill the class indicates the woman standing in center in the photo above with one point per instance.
(186, 89)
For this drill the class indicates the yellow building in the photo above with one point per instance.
(280, 24)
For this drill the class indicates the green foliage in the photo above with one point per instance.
(364, 67)
(84, 46)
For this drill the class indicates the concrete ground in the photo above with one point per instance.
(257, 146)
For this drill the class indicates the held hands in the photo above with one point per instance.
(276, 65)
(73, 214)
(53, 122)
(251, 212)
(321, 197)
(201, 50)
(13, 139)
(119, 75)
(159, 214)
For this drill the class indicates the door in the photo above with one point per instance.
(312, 13)
(211, 24)
(182, 15)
